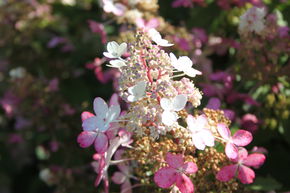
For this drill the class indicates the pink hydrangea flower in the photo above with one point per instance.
(175, 173)
(240, 138)
(95, 126)
(201, 135)
(241, 168)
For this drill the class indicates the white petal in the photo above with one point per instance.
(112, 46)
(168, 118)
(100, 107)
(113, 113)
(131, 98)
(179, 102)
(185, 62)
(198, 142)
(137, 92)
(117, 63)
(207, 137)
(173, 58)
(108, 55)
(192, 72)
(166, 104)
(122, 48)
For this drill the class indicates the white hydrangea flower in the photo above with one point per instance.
(253, 20)
(184, 64)
(18, 72)
(170, 106)
(156, 37)
(115, 50)
(137, 92)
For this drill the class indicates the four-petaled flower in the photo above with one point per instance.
(95, 126)
(184, 64)
(244, 173)
(175, 174)
(169, 116)
(201, 135)
(240, 138)
(115, 50)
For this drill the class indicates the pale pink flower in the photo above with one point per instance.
(117, 9)
(201, 135)
(239, 139)
(152, 23)
(96, 126)
(241, 168)
(175, 173)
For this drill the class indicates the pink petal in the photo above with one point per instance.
(126, 187)
(224, 131)
(101, 143)
(101, 171)
(114, 99)
(227, 173)
(118, 178)
(85, 115)
(165, 177)
(184, 184)
(243, 153)
(246, 175)
(242, 138)
(231, 151)
(189, 167)
(174, 161)
(255, 160)
(86, 138)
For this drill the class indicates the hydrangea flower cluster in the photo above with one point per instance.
(157, 112)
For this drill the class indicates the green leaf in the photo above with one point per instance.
(265, 184)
